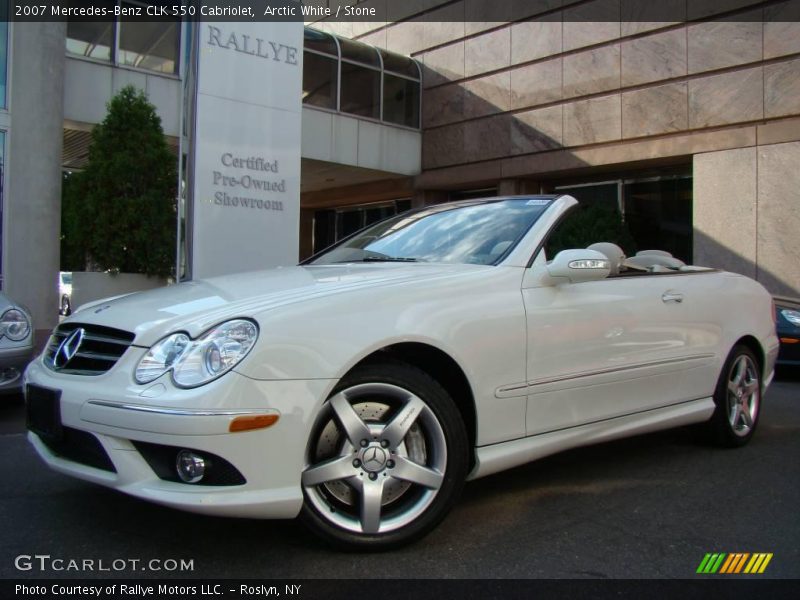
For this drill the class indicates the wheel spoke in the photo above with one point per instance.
(733, 388)
(746, 416)
(739, 372)
(371, 496)
(338, 468)
(355, 429)
(751, 388)
(736, 414)
(408, 470)
(398, 427)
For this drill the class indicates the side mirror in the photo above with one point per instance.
(575, 266)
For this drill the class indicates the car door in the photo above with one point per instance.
(613, 347)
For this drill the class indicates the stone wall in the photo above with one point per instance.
(561, 88)
(545, 82)
(747, 213)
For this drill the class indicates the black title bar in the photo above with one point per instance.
(390, 11)
(390, 589)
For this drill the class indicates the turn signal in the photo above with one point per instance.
(789, 341)
(250, 422)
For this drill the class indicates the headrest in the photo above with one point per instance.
(646, 261)
(614, 253)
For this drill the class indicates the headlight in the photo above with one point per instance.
(15, 325)
(161, 357)
(196, 362)
(793, 316)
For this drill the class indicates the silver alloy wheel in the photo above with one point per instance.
(388, 459)
(744, 394)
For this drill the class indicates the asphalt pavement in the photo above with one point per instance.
(646, 507)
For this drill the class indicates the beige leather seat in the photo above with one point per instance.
(615, 255)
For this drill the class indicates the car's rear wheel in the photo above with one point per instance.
(386, 460)
(737, 398)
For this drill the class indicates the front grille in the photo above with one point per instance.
(92, 353)
(80, 447)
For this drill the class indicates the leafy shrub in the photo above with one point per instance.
(119, 213)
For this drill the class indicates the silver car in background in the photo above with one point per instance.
(16, 344)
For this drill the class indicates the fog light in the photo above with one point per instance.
(190, 466)
(9, 374)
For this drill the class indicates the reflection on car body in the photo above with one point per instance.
(787, 319)
(65, 293)
(16, 344)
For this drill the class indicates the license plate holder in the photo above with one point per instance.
(43, 413)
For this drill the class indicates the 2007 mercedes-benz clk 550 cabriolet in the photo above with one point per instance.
(362, 388)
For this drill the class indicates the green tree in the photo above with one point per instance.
(73, 243)
(588, 224)
(119, 213)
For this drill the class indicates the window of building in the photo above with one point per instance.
(355, 78)
(3, 52)
(400, 100)
(658, 212)
(401, 65)
(655, 211)
(2, 198)
(360, 53)
(149, 45)
(319, 41)
(320, 80)
(361, 91)
(320, 69)
(92, 39)
(330, 226)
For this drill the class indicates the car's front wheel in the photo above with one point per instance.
(737, 399)
(386, 460)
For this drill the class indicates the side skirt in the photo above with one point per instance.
(499, 457)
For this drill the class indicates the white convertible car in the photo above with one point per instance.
(362, 388)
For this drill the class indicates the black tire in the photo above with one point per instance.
(738, 400)
(388, 400)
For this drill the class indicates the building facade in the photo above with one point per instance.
(689, 128)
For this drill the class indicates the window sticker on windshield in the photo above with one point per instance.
(537, 202)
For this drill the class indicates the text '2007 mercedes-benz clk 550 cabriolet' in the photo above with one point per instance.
(362, 388)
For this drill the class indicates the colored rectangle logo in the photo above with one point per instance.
(734, 563)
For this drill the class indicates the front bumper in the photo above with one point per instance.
(12, 364)
(124, 416)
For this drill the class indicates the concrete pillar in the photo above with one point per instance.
(508, 187)
(426, 197)
(515, 187)
(778, 235)
(32, 219)
(306, 232)
(724, 200)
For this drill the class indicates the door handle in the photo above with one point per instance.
(672, 297)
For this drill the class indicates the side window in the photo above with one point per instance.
(586, 225)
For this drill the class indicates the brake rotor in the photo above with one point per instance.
(332, 442)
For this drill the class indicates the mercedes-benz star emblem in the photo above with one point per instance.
(68, 348)
(374, 459)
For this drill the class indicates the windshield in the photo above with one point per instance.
(479, 233)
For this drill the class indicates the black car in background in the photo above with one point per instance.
(787, 319)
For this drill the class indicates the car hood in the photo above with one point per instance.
(195, 306)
